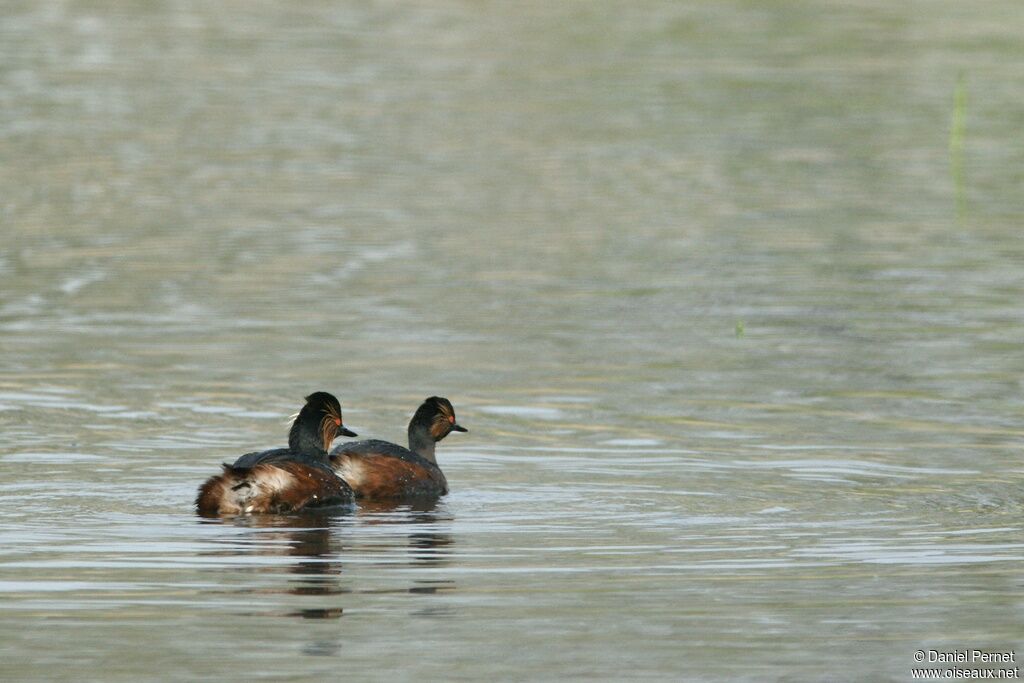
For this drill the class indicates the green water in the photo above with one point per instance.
(727, 293)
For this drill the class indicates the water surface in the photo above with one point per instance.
(737, 341)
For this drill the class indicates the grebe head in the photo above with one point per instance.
(317, 424)
(435, 416)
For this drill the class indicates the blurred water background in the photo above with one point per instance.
(729, 295)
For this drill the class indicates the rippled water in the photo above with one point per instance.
(728, 295)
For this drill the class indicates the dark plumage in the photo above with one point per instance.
(380, 470)
(284, 479)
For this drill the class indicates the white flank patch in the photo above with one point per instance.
(350, 470)
(270, 478)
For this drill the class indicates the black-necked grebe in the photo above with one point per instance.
(284, 479)
(379, 470)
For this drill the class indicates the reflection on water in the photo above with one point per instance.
(316, 543)
(306, 538)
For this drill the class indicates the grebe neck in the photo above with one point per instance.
(421, 442)
(304, 438)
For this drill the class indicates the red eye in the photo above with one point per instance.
(337, 421)
(451, 418)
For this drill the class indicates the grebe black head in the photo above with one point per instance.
(317, 425)
(434, 420)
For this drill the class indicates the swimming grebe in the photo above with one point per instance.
(379, 470)
(284, 479)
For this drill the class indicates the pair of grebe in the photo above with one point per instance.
(308, 474)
